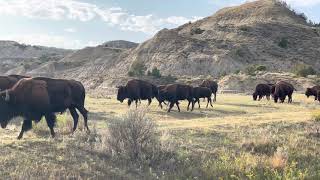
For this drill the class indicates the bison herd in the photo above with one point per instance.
(137, 90)
(38, 97)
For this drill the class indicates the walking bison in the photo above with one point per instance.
(136, 90)
(173, 93)
(212, 85)
(202, 92)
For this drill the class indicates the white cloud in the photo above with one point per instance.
(75, 10)
(70, 30)
(303, 2)
(49, 40)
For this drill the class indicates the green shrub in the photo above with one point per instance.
(196, 31)
(251, 70)
(137, 69)
(261, 68)
(304, 71)
(155, 72)
(130, 73)
(283, 43)
(133, 136)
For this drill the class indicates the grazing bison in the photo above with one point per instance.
(281, 90)
(211, 85)
(136, 90)
(175, 92)
(202, 92)
(262, 90)
(30, 99)
(313, 92)
(59, 90)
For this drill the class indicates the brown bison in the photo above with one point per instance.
(313, 92)
(7, 82)
(30, 99)
(59, 90)
(175, 92)
(136, 90)
(202, 92)
(281, 90)
(212, 85)
(161, 87)
(261, 91)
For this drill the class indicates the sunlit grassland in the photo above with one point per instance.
(237, 138)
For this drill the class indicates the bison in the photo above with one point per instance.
(313, 92)
(7, 82)
(212, 85)
(30, 99)
(136, 90)
(281, 90)
(202, 92)
(175, 92)
(59, 90)
(261, 91)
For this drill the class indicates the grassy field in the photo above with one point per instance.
(237, 139)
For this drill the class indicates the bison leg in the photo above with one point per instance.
(260, 97)
(84, 113)
(171, 106)
(137, 103)
(75, 117)
(149, 101)
(51, 121)
(268, 97)
(129, 102)
(290, 98)
(160, 105)
(198, 100)
(177, 103)
(215, 97)
(211, 102)
(26, 126)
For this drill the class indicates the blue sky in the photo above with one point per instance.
(78, 23)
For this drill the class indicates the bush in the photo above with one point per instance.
(134, 137)
(196, 31)
(251, 70)
(261, 68)
(155, 72)
(304, 71)
(137, 69)
(283, 43)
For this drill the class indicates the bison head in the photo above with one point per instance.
(6, 113)
(309, 92)
(122, 93)
(255, 96)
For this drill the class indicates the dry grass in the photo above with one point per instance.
(237, 139)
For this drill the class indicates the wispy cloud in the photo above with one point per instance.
(49, 40)
(76, 10)
(70, 30)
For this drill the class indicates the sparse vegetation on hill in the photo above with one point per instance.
(304, 70)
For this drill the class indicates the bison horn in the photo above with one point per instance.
(7, 96)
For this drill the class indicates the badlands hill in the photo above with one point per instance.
(263, 32)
